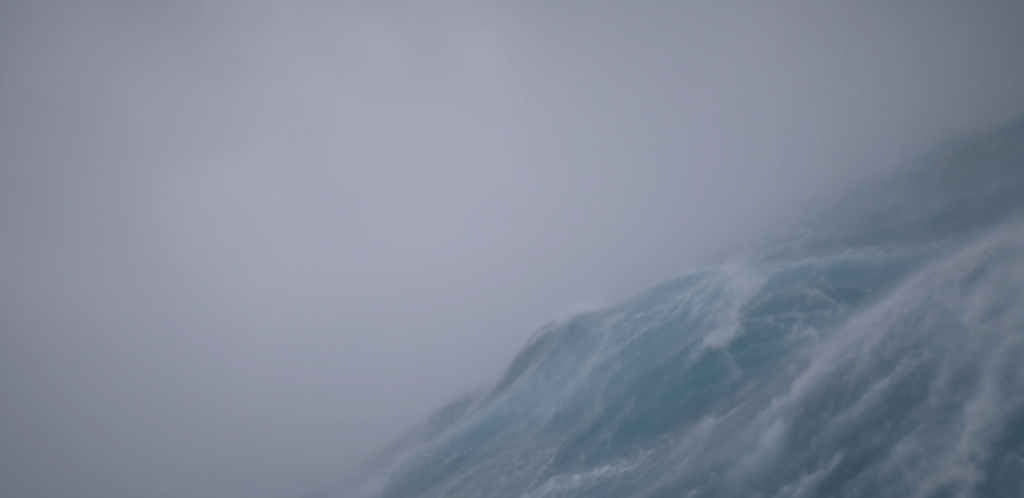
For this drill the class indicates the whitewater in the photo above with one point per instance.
(874, 350)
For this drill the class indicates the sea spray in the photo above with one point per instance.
(875, 350)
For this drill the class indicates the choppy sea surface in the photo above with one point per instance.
(876, 350)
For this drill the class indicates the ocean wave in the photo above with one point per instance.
(875, 350)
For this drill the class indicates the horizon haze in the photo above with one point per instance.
(244, 246)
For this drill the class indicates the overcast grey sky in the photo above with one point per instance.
(243, 245)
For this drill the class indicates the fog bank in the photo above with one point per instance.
(244, 245)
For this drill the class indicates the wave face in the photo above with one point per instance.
(877, 351)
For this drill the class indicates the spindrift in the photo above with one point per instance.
(875, 351)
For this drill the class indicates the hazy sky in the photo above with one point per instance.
(243, 245)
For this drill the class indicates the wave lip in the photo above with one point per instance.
(873, 351)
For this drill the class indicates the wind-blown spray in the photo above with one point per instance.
(874, 351)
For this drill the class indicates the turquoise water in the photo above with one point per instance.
(874, 351)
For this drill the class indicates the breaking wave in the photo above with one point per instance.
(875, 351)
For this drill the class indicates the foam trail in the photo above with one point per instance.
(874, 351)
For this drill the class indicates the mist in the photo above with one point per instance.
(245, 245)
